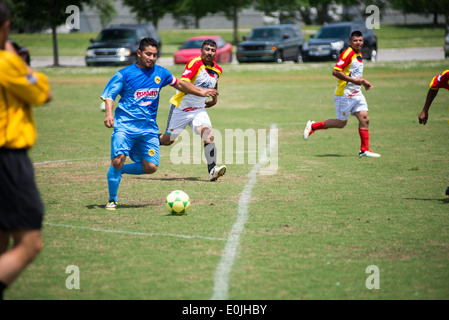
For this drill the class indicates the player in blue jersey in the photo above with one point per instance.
(136, 133)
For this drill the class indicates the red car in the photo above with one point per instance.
(192, 49)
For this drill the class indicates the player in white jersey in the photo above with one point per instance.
(187, 109)
(348, 96)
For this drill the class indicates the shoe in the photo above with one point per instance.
(447, 191)
(369, 153)
(217, 172)
(112, 205)
(308, 130)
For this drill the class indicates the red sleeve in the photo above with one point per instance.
(191, 68)
(441, 81)
(344, 59)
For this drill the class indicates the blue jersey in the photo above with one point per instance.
(139, 97)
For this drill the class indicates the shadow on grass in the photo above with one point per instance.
(121, 206)
(443, 200)
(173, 179)
(329, 155)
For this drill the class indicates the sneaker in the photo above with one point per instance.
(308, 130)
(217, 172)
(447, 191)
(369, 153)
(112, 205)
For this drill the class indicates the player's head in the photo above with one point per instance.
(5, 17)
(147, 53)
(356, 40)
(209, 51)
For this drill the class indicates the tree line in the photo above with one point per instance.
(36, 15)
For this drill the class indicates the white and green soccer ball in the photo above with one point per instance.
(177, 202)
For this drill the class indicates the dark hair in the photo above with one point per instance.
(145, 42)
(356, 33)
(209, 42)
(5, 15)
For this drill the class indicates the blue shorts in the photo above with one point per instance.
(138, 146)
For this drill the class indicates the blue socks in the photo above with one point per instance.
(133, 168)
(115, 175)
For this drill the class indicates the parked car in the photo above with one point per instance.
(117, 45)
(332, 39)
(446, 46)
(21, 51)
(276, 43)
(192, 49)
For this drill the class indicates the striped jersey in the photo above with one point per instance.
(201, 75)
(440, 81)
(19, 90)
(351, 63)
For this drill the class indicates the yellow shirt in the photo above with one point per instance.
(18, 92)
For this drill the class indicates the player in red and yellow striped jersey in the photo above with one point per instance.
(438, 82)
(187, 109)
(348, 96)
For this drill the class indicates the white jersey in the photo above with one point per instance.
(201, 75)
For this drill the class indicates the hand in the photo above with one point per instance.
(422, 117)
(109, 121)
(365, 83)
(210, 93)
(211, 103)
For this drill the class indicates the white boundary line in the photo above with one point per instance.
(221, 280)
(133, 233)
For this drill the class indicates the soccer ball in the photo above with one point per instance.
(177, 202)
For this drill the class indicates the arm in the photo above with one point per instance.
(189, 88)
(358, 81)
(109, 120)
(424, 114)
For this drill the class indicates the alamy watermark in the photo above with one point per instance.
(373, 20)
(235, 146)
(73, 280)
(73, 20)
(373, 281)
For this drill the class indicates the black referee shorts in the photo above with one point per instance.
(21, 207)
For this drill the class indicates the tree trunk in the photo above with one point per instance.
(55, 47)
(235, 22)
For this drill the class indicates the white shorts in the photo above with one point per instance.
(178, 120)
(345, 106)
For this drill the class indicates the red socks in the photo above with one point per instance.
(364, 138)
(318, 125)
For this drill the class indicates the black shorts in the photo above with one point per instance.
(21, 207)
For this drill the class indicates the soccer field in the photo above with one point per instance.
(309, 223)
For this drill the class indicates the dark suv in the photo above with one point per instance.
(117, 45)
(332, 39)
(272, 44)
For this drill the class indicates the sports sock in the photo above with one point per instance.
(319, 125)
(364, 138)
(133, 168)
(2, 288)
(211, 155)
(114, 177)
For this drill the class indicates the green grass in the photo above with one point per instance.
(313, 227)
(75, 44)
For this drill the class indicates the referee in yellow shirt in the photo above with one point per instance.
(21, 208)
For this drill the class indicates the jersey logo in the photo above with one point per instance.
(157, 80)
(340, 62)
(186, 72)
(146, 93)
(151, 152)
